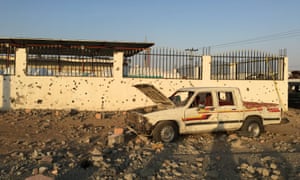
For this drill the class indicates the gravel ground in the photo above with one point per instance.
(75, 145)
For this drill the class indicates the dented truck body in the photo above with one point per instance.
(200, 109)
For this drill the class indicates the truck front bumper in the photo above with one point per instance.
(139, 123)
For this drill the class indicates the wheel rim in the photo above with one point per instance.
(167, 134)
(254, 129)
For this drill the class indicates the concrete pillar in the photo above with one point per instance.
(232, 71)
(286, 69)
(20, 62)
(118, 64)
(206, 67)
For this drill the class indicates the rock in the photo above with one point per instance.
(251, 169)
(35, 171)
(266, 159)
(118, 131)
(200, 159)
(265, 172)
(46, 160)
(70, 154)
(274, 177)
(42, 170)
(98, 116)
(39, 177)
(97, 158)
(129, 176)
(273, 166)
(54, 172)
(259, 170)
(276, 172)
(35, 154)
(237, 144)
(176, 173)
(115, 139)
(96, 152)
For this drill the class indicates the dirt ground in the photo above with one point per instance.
(27, 137)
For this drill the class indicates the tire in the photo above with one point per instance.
(252, 127)
(165, 131)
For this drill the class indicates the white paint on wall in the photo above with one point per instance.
(116, 93)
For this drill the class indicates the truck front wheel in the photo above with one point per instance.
(252, 127)
(165, 131)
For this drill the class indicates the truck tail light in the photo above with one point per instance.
(272, 109)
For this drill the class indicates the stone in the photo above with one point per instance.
(274, 177)
(265, 172)
(129, 176)
(42, 170)
(98, 116)
(176, 173)
(46, 160)
(39, 177)
(97, 158)
(251, 169)
(276, 172)
(70, 154)
(35, 171)
(118, 131)
(115, 139)
(273, 166)
(35, 154)
(96, 152)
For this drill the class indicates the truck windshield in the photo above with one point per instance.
(181, 98)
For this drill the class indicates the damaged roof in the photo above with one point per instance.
(108, 47)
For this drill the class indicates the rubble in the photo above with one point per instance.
(83, 146)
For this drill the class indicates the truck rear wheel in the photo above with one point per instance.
(252, 127)
(166, 131)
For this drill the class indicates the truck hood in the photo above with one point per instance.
(156, 96)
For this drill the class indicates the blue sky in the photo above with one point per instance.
(168, 23)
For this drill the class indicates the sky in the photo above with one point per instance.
(223, 25)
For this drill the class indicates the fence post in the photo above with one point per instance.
(206, 67)
(118, 64)
(20, 62)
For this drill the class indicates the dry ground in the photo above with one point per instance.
(68, 136)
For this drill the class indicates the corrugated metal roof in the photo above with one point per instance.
(129, 48)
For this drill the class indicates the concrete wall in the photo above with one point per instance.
(116, 93)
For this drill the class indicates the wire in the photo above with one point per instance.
(287, 34)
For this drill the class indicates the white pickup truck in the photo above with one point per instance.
(201, 109)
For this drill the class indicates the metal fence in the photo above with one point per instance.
(68, 61)
(7, 59)
(247, 65)
(163, 63)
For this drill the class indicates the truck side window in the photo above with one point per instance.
(202, 98)
(225, 98)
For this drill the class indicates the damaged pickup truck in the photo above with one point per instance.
(201, 109)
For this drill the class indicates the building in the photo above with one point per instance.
(100, 75)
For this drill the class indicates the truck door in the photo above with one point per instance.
(200, 114)
(229, 113)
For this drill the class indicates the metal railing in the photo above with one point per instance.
(163, 63)
(7, 59)
(247, 65)
(62, 61)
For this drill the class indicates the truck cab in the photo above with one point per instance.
(202, 109)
